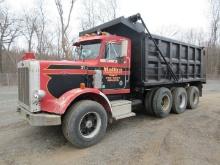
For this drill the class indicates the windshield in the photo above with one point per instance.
(87, 50)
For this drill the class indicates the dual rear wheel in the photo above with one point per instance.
(179, 100)
(161, 101)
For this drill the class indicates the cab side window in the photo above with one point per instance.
(113, 51)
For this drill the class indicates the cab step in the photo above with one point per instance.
(121, 109)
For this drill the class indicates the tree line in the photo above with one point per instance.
(34, 31)
(38, 33)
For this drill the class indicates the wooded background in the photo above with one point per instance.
(33, 29)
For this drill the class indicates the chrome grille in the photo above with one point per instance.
(23, 85)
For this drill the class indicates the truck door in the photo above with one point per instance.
(116, 67)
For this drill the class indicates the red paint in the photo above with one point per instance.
(59, 105)
(28, 56)
(65, 71)
(66, 99)
(115, 91)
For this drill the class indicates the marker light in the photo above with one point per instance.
(82, 85)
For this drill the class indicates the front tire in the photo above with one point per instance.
(85, 123)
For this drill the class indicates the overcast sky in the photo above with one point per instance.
(184, 14)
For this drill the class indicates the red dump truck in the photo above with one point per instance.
(116, 66)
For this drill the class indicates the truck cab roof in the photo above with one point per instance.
(102, 36)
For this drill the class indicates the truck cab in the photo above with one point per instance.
(99, 74)
(110, 54)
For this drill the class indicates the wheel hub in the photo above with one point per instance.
(182, 101)
(195, 98)
(165, 103)
(89, 124)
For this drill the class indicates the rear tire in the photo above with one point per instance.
(85, 123)
(162, 102)
(148, 101)
(193, 97)
(179, 100)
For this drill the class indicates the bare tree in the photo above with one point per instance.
(97, 12)
(193, 36)
(107, 10)
(29, 27)
(40, 26)
(9, 30)
(213, 55)
(88, 18)
(113, 4)
(64, 25)
(215, 21)
(58, 40)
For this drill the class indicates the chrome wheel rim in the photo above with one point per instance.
(165, 103)
(195, 98)
(90, 125)
(182, 101)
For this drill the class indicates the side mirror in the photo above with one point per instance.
(124, 48)
(124, 51)
(120, 59)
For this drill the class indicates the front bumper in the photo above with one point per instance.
(39, 119)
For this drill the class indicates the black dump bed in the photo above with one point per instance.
(147, 66)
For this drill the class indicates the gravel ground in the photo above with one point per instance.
(190, 138)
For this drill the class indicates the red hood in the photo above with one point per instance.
(46, 63)
(58, 77)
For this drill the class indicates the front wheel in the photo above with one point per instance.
(85, 123)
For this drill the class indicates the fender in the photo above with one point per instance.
(67, 98)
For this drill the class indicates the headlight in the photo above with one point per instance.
(39, 94)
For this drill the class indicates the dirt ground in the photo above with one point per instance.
(189, 138)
